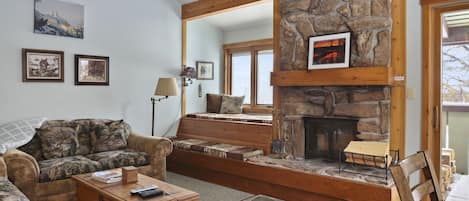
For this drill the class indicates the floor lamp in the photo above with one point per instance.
(166, 87)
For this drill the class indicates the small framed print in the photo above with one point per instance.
(43, 65)
(329, 51)
(91, 70)
(205, 70)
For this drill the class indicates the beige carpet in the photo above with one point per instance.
(207, 191)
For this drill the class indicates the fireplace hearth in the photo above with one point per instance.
(326, 137)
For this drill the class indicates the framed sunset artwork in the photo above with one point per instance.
(329, 51)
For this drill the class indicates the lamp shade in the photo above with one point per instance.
(166, 87)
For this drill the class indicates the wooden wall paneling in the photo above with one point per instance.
(268, 42)
(398, 66)
(199, 9)
(433, 2)
(277, 119)
(257, 135)
(357, 76)
(227, 71)
(184, 63)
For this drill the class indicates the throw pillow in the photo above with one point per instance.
(232, 105)
(58, 142)
(18, 133)
(109, 136)
(214, 103)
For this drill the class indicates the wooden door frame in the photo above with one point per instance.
(431, 74)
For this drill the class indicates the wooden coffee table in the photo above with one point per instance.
(91, 190)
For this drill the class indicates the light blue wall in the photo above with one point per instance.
(249, 33)
(143, 41)
(414, 80)
(204, 43)
(414, 77)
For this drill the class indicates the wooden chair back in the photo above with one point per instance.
(429, 185)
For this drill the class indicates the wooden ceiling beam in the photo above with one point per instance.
(436, 2)
(203, 8)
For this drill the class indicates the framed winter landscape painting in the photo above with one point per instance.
(60, 18)
(329, 51)
(91, 70)
(43, 66)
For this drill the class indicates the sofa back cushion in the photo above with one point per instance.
(109, 136)
(58, 142)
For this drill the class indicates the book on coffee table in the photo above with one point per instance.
(107, 177)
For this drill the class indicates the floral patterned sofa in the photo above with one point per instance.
(8, 191)
(60, 149)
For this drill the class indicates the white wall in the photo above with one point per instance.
(143, 42)
(204, 43)
(243, 34)
(414, 77)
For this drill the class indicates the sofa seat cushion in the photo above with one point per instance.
(120, 158)
(9, 192)
(64, 168)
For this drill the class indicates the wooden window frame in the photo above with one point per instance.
(254, 47)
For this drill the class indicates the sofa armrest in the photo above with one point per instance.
(22, 167)
(3, 168)
(155, 146)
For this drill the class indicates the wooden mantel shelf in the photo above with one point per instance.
(356, 76)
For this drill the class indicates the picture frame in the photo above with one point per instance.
(42, 65)
(329, 51)
(205, 70)
(91, 70)
(59, 18)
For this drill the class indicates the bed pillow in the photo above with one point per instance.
(58, 142)
(18, 133)
(232, 105)
(214, 103)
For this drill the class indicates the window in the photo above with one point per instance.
(248, 69)
(265, 66)
(241, 75)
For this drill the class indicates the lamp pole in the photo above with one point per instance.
(153, 101)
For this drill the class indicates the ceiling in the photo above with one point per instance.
(258, 14)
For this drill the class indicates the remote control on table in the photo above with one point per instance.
(147, 188)
(151, 193)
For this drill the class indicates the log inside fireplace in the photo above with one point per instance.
(327, 137)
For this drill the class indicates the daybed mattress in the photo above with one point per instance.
(220, 150)
(254, 118)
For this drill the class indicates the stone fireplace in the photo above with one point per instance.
(325, 137)
(369, 107)
(370, 23)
